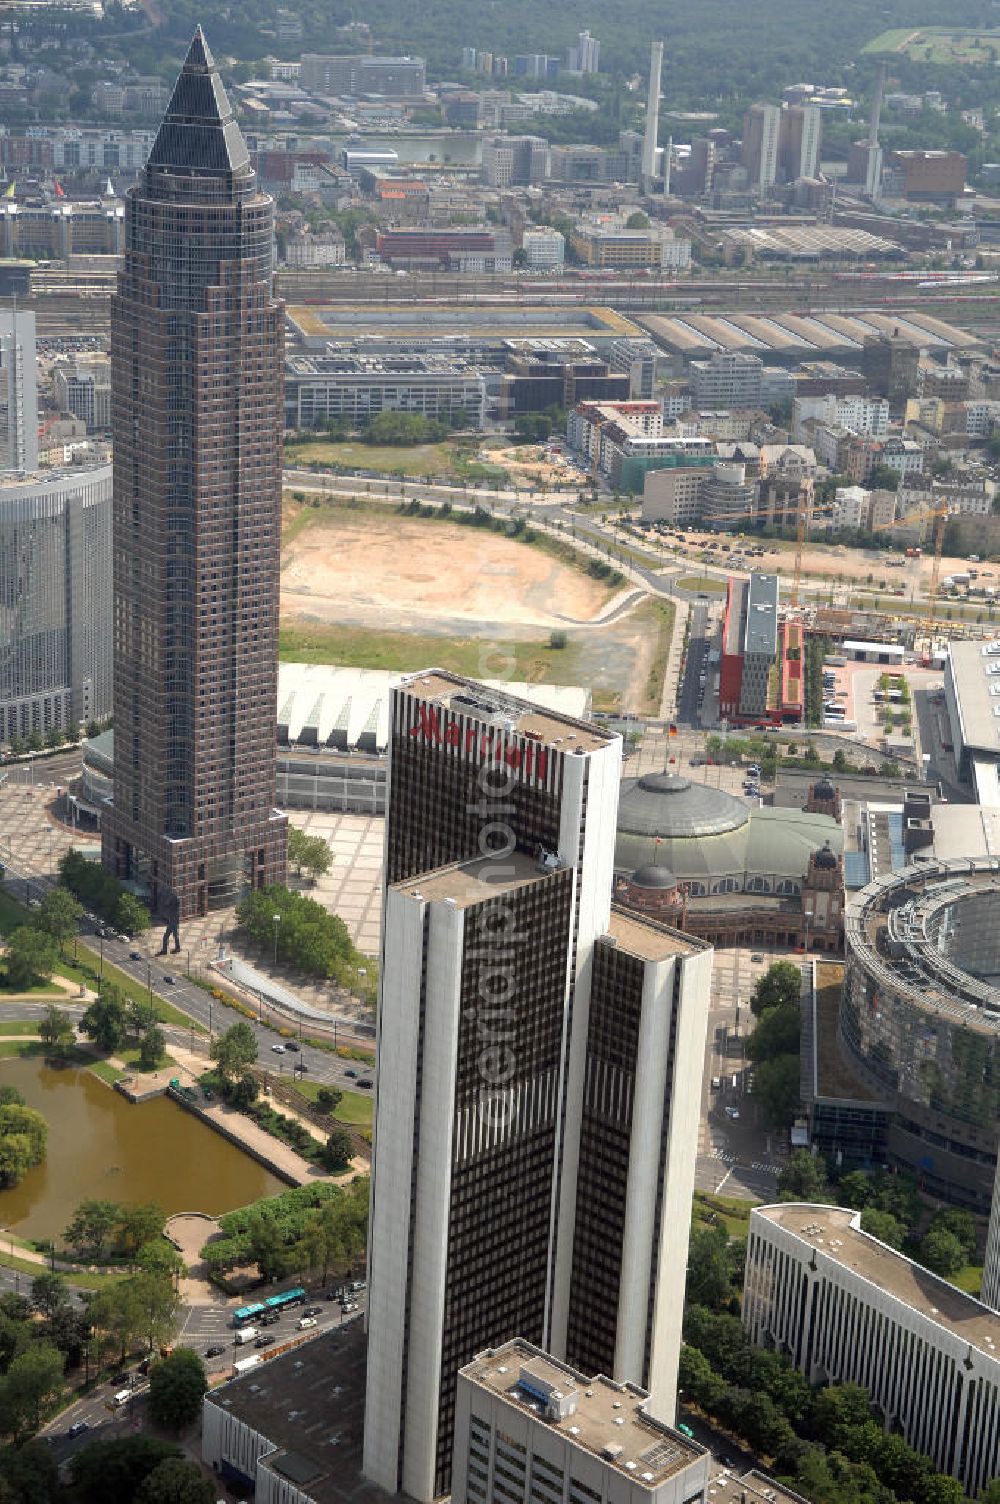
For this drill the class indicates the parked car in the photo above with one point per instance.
(290, 1044)
(366, 1084)
(351, 1073)
(348, 1306)
(279, 1049)
(733, 1113)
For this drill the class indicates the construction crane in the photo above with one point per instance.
(806, 512)
(940, 514)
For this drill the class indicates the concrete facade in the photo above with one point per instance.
(847, 1309)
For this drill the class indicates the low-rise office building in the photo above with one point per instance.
(289, 1429)
(848, 1309)
(531, 1430)
(320, 389)
(615, 246)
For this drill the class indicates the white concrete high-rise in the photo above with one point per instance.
(539, 1066)
(18, 394)
(652, 132)
(761, 134)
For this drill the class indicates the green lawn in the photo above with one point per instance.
(19, 1026)
(11, 1047)
(107, 1072)
(733, 1213)
(362, 647)
(419, 460)
(969, 1279)
(132, 1060)
(354, 1108)
(85, 1279)
(702, 583)
(42, 989)
(946, 45)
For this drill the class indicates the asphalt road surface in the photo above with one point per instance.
(101, 1420)
(695, 661)
(150, 972)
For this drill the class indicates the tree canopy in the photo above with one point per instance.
(177, 1385)
(306, 934)
(32, 956)
(96, 887)
(780, 984)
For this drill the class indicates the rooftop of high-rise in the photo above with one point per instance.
(601, 1417)
(503, 712)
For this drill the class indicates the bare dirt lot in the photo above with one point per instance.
(402, 572)
(382, 591)
(834, 561)
(533, 465)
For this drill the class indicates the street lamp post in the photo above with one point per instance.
(102, 956)
(277, 921)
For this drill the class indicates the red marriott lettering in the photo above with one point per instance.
(487, 744)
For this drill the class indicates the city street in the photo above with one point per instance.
(737, 1156)
(103, 1421)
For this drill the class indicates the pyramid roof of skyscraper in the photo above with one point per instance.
(199, 133)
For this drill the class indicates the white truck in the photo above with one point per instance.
(245, 1334)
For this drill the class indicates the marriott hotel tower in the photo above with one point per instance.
(539, 1072)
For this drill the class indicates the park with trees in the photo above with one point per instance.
(313, 1229)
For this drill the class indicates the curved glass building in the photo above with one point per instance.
(920, 1017)
(55, 602)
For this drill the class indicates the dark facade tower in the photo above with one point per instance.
(196, 350)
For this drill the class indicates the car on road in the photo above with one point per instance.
(270, 1318)
(305, 1323)
(78, 1427)
(279, 1049)
(214, 1352)
(352, 1074)
(313, 1311)
(754, 770)
(170, 981)
(347, 1307)
(135, 955)
(716, 1083)
(366, 1084)
(733, 1113)
(266, 1339)
(291, 1045)
(301, 1066)
(758, 960)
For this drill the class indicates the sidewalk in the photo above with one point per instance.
(243, 1130)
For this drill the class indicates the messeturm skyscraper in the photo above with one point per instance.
(197, 353)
